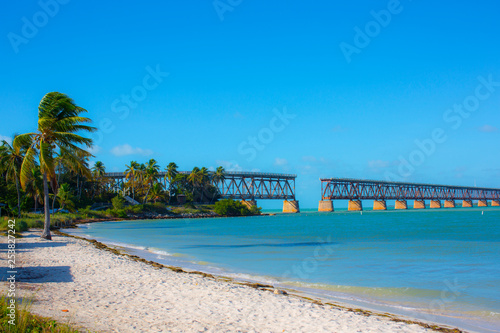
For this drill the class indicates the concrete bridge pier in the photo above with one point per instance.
(419, 204)
(249, 203)
(379, 205)
(467, 203)
(482, 203)
(325, 206)
(449, 204)
(435, 204)
(355, 205)
(401, 204)
(291, 206)
(495, 203)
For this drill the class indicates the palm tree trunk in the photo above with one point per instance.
(46, 227)
(146, 197)
(18, 199)
(36, 203)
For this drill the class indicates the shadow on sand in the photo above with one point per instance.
(38, 274)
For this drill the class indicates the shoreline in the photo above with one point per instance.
(323, 302)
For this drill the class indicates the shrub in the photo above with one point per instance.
(229, 207)
(121, 213)
(27, 322)
(118, 202)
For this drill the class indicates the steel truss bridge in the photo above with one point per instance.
(356, 190)
(240, 185)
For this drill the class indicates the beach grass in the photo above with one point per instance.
(26, 322)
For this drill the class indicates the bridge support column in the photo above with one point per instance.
(495, 203)
(379, 205)
(435, 204)
(419, 204)
(325, 206)
(467, 203)
(291, 206)
(401, 204)
(482, 203)
(355, 205)
(249, 203)
(449, 204)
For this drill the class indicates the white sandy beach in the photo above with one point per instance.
(106, 292)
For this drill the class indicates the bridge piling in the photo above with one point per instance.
(482, 203)
(355, 205)
(291, 206)
(401, 204)
(249, 203)
(449, 204)
(435, 204)
(467, 203)
(495, 203)
(419, 204)
(379, 205)
(325, 206)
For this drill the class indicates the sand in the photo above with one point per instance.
(106, 292)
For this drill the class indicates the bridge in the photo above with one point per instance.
(244, 186)
(356, 190)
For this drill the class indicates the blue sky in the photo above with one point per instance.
(406, 90)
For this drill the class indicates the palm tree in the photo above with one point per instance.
(131, 173)
(171, 175)
(193, 178)
(59, 120)
(11, 159)
(151, 175)
(204, 180)
(156, 192)
(217, 177)
(141, 170)
(65, 197)
(98, 171)
(34, 186)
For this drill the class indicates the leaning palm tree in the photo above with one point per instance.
(171, 175)
(59, 120)
(65, 197)
(11, 159)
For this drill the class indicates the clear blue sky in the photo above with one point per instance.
(358, 100)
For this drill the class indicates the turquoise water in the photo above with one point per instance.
(437, 265)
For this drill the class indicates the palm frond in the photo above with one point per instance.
(28, 165)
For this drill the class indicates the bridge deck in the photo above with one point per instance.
(346, 188)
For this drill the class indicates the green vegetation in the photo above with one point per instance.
(229, 207)
(25, 322)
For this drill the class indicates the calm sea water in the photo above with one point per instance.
(437, 265)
